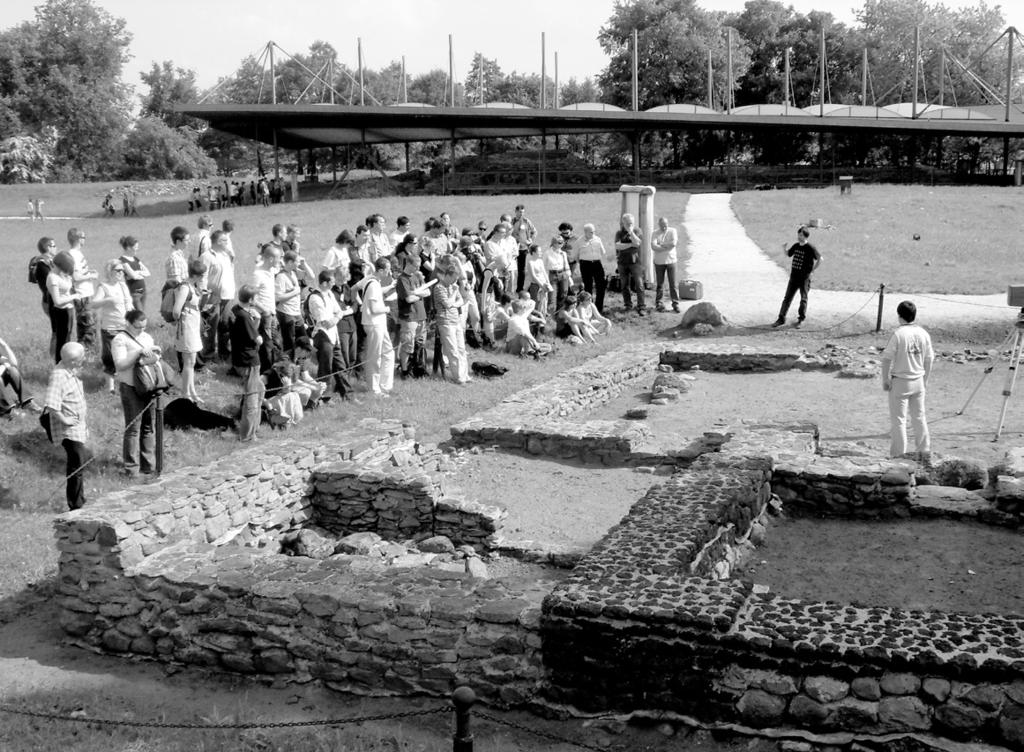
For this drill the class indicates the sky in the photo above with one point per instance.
(506, 30)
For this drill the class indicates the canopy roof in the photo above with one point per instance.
(318, 125)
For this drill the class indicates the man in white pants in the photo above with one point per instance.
(906, 365)
(379, 359)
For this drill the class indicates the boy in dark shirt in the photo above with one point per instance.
(245, 358)
(805, 260)
(412, 313)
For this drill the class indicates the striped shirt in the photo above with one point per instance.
(65, 395)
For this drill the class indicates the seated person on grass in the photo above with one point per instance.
(570, 327)
(11, 389)
(520, 341)
(282, 404)
(538, 321)
(308, 388)
(587, 310)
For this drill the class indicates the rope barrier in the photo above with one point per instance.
(536, 732)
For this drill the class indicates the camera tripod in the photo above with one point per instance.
(1016, 337)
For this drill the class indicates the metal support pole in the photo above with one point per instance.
(273, 76)
(543, 73)
(821, 64)
(451, 78)
(785, 83)
(917, 71)
(362, 89)
(636, 72)
(463, 699)
(728, 76)
(711, 84)
(881, 303)
(1009, 70)
(405, 87)
(864, 78)
(1011, 378)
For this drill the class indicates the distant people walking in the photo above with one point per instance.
(906, 365)
(805, 260)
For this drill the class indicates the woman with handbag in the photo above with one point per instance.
(111, 302)
(131, 349)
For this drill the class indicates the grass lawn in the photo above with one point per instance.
(969, 236)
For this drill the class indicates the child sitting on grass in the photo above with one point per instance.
(520, 340)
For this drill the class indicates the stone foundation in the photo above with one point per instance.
(185, 570)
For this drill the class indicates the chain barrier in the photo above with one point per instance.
(535, 731)
(221, 726)
(945, 299)
(766, 327)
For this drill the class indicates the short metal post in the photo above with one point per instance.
(158, 431)
(463, 699)
(881, 302)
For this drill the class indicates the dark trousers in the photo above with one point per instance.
(10, 390)
(78, 455)
(291, 327)
(632, 278)
(60, 323)
(560, 286)
(594, 282)
(252, 402)
(521, 268)
(329, 360)
(661, 271)
(85, 322)
(271, 347)
(348, 342)
(796, 283)
(216, 337)
(138, 447)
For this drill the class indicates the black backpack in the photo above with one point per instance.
(307, 317)
(33, 269)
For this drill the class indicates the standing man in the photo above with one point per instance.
(592, 256)
(400, 231)
(220, 286)
(805, 260)
(65, 405)
(204, 224)
(631, 274)
(245, 359)
(264, 285)
(84, 277)
(380, 242)
(287, 292)
(292, 234)
(379, 358)
(523, 232)
(906, 365)
(325, 312)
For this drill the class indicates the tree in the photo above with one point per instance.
(430, 88)
(674, 38)
(482, 80)
(63, 70)
(154, 150)
(24, 159)
(575, 92)
(168, 86)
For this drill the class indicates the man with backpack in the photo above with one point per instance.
(412, 318)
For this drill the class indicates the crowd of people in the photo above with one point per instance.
(298, 334)
(264, 191)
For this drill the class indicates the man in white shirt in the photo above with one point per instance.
(287, 295)
(85, 278)
(265, 303)
(325, 312)
(380, 244)
(220, 279)
(338, 255)
(400, 231)
(379, 360)
(906, 365)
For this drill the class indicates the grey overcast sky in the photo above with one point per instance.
(212, 37)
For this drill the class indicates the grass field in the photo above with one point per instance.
(969, 237)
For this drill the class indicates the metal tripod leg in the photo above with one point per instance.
(1011, 377)
(990, 369)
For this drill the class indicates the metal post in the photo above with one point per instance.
(480, 78)
(557, 102)
(1009, 70)
(359, 52)
(405, 87)
(821, 66)
(942, 77)
(881, 302)
(636, 73)
(331, 78)
(785, 83)
(711, 84)
(463, 699)
(273, 76)
(334, 164)
(728, 73)
(158, 432)
(543, 71)
(864, 78)
(917, 71)
(451, 78)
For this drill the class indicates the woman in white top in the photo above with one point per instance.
(132, 345)
(111, 301)
(664, 246)
(556, 263)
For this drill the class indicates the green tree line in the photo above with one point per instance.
(67, 114)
